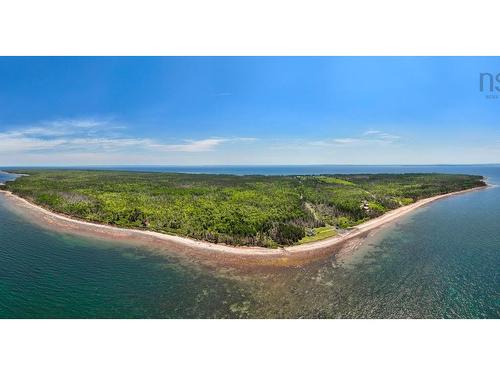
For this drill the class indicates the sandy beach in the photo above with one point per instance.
(241, 255)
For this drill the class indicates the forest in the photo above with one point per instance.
(254, 210)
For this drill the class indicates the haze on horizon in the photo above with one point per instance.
(255, 110)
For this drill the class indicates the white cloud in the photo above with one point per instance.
(370, 132)
(346, 141)
(68, 137)
(367, 138)
(244, 139)
(377, 134)
(202, 145)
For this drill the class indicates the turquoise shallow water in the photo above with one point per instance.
(441, 261)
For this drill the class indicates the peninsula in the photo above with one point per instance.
(244, 212)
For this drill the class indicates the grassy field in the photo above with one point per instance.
(241, 210)
(316, 234)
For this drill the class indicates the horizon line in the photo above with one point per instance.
(241, 165)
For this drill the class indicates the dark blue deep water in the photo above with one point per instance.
(441, 261)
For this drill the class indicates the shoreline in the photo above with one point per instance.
(290, 255)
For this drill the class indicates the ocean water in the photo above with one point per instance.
(441, 261)
(276, 170)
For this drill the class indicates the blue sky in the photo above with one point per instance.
(255, 110)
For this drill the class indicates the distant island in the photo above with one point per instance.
(257, 211)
